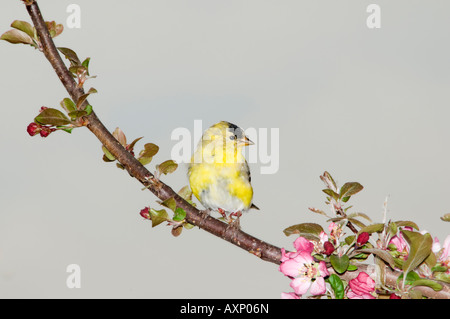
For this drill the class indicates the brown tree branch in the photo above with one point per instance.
(233, 235)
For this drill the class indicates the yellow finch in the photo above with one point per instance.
(219, 175)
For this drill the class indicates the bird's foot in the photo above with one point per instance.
(222, 212)
(235, 223)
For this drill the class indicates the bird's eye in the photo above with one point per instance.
(232, 137)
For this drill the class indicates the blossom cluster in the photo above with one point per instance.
(310, 267)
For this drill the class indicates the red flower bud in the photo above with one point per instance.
(45, 131)
(33, 128)
(362, 238)
(42, 108)
(394, 296)
(145, 213)
(328, 248)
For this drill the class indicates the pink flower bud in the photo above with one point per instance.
(361, 287)
(45, 131)
(33, 128)
(145, 213)
(42, 108)
(328, 248)
(362, 238)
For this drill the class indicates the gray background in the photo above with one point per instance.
(366, 105)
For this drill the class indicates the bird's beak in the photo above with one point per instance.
(246, 141)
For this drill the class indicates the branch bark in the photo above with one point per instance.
(261, 249)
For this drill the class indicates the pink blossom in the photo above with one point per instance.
(443, 253)
(323, 237)
(332, 226)
(302, 244)
(300, 266)
(361, 287)
(400, 243)
(335, 232)
(289, 295)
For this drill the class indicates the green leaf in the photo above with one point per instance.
(24, 26)
(149, 150)
(51, 116)
(352, 267)
(383, 254)
(307, 230)
(78, 70)
(317, 211)
(446, 217)
(119, 135)
(158, 216)
(420, 248)
(439, 268)
(411, 277)
(188, 226)
(185, 193)
(167, 167)
(353, 215)
(328, 180)
(70, 55)
(16, 36)
(131, 145)
(68, 105)
(66, 129)
(407, 223)
(331, 193)
(77, 114)
(84, 97)
(108, 157)
(349, 189)
(357, 222)
(349, 239)
(179, 214)
(373, 228)
(85, 63)
(340, 264)
(393, 229)
(345, 199)
(442, 276)
(145, 160)
(88, 109)
(428, 283)
(54, 29)
(170, 203)
(337, 286)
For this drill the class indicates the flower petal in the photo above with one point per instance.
(290, 267)
(289, 295)
(323, 269)
(318, 287)
(302, 244)
(301, 285)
